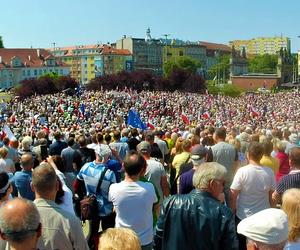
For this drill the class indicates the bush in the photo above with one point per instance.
(230, 90)
(225, 89)
(179, 79)
(44, 85)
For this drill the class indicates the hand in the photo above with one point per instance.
(51, 162)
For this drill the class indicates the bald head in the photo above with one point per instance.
(26, 161)
(19, 221)
(44, 181)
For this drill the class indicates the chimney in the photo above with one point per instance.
(29, 57)
(0, 59)
(38, 53)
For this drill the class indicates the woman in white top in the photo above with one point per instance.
(6, 164)
(66, 200)
(291, 205)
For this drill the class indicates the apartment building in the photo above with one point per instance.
(19, 64)
(263, 45)
(89, 61)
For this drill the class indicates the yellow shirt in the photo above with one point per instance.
(270, 162)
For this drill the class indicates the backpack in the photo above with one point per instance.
(89, 205)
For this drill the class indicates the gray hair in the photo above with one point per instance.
(264, 246)
(206, 172)
(23, 227)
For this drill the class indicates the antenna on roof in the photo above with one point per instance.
(54, 46)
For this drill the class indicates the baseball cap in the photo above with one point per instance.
(144, 146)
(198, 152)
(103, 151)
(268, 226)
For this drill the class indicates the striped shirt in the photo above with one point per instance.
(90, 173)
(292, 180)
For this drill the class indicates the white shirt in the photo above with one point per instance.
(67, 199)
(133, 202)
(7, 165)
(254, 183)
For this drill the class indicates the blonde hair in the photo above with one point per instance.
(207, 172)
(26, 142)
(178, 145)
(3, 152)
(280, 146)
(291, 205)
(236, 143)
(119, 239)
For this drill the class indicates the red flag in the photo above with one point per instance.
(12, 119)
(185, 119)
(2, 135)
(150, 125)
(206, 115)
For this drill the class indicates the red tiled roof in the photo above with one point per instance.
(109, 50)
(215, 46)
(28, 57)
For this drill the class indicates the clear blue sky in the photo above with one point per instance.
(39, 23)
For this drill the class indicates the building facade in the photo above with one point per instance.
(194, 51)
(19, 64)
(147, 54)
(89, 61)
(213, 52)
(263, 45)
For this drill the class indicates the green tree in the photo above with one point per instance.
(1, 42)
(185, 63)
(221, 69)
(265, 64)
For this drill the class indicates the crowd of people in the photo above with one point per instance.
(213, 172)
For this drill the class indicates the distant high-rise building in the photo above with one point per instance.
(262, 45)
(19, 64)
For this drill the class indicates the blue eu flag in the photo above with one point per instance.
(135, 121)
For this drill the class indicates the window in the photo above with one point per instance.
(28, 72)
(35, 72)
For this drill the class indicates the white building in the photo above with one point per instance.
(19, 64)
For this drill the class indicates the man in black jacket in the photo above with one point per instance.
(198, 220)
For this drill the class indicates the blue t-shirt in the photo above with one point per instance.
(22, 180)
(116, 167)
